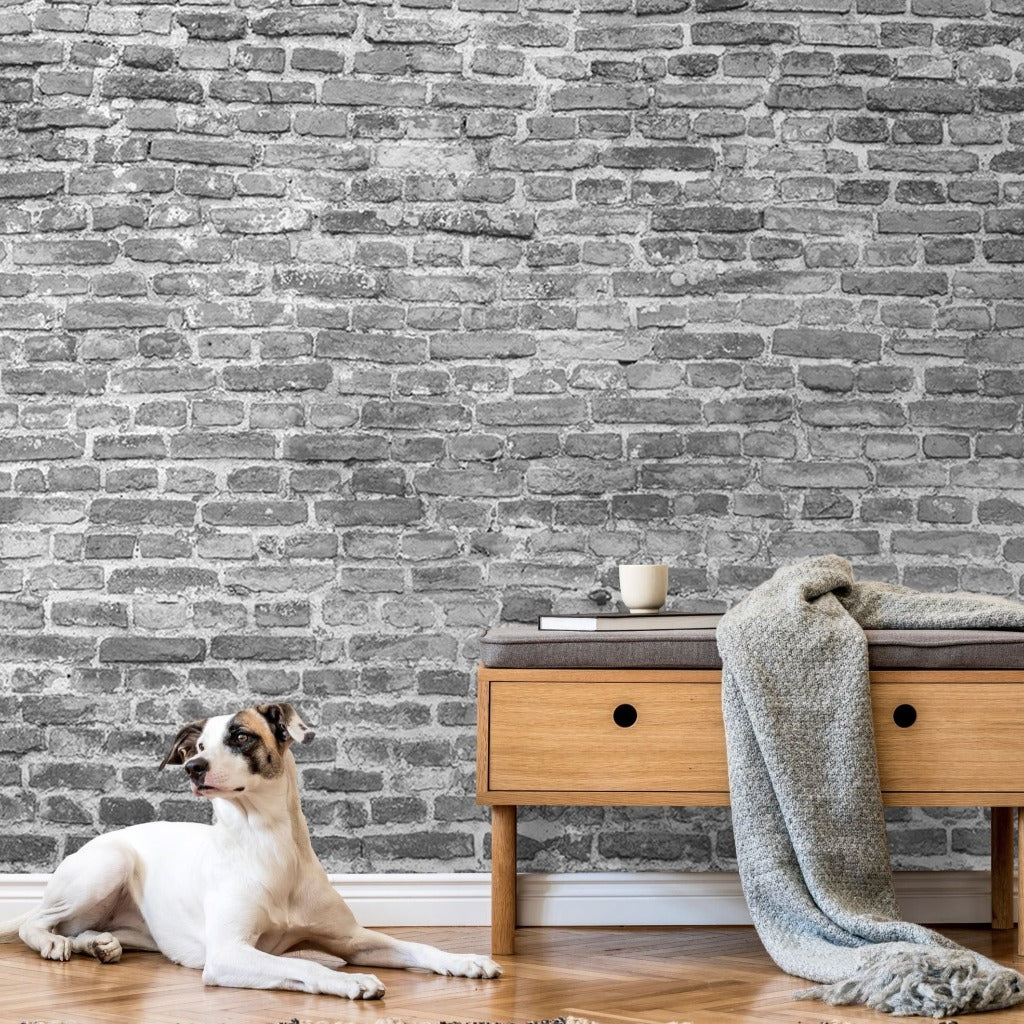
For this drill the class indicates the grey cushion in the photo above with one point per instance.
(529, 647)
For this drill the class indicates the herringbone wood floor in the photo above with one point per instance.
(608, 975)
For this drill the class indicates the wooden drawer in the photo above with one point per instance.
(563, 736)
(964, 739)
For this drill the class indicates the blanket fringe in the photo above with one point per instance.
(928, 982)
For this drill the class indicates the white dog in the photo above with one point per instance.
(231, 897)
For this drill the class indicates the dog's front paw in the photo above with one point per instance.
(473, 965)
(360, 986)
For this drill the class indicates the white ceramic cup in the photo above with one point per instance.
(643, 588)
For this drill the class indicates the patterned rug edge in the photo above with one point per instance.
(379, 1020)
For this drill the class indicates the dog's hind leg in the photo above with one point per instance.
(108, 946)
(105, 946)
(78, 902)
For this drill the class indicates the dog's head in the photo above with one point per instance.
(229, 754)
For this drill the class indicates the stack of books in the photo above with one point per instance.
(611, 621)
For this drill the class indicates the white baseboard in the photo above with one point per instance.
(599, 898)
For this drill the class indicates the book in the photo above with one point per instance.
(611, 621)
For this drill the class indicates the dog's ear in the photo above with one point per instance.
(184, 745)
(286, 724)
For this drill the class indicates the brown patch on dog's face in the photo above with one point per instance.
(250, 736)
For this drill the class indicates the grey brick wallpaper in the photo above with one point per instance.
(333, 333)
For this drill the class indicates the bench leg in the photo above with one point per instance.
(503, 879)
(1002, 867)
(1020, 887)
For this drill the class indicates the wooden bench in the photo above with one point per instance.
(635, 718)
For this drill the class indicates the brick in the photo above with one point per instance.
(473, 222)
(151, 649)
(942, 99)
(895, 283)
(49, 648)
(374, 94)
(220, 445)
(127, 581)
(218, 26)
(139, 446)
(847, 414)
(847, 33)
(862, 193)
(823, 97)
(143, 85)
(1005, 221)
(1002, 99)
(158, 58)
(89, 613)
(89, 315)
(54, 381)
(802, 62)
(120, 811)
(340, 22)
(816, 221)
(335, 448)
(480, 94)
(141, 512)
(375, 511)
(644, 37)
(40, 448)
(827, 344)
(693, 65)
(239, 154)
(262, 648)
(15, 90)
(38, 51)
(23, 614)
(77, 253)
(728, 96)
(255, 513)
(984, 285)
(877, 65)
(706, 219)
(25, 184)
(744, 33)
(931, 222)
(278, 377)
(418, 30)
(670, 157)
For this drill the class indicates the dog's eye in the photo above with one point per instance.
(242, 738)
(200, 747)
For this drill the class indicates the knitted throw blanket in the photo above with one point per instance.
(806, 803)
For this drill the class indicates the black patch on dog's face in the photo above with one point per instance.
(248, 735)
(275, 715)
(285, 723)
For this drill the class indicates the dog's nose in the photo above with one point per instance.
(197, 768)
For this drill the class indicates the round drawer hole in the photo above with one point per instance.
(624, 715)
(905, 716)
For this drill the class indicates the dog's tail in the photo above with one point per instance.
(9, 929)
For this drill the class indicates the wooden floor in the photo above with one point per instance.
(608, 975)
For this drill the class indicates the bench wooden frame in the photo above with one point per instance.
(969, 719)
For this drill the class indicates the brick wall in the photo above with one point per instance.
(332, 334)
